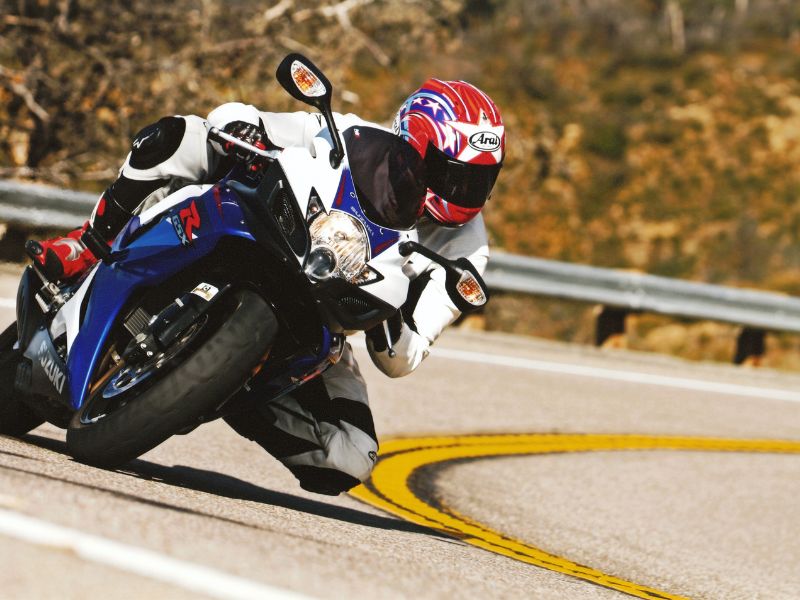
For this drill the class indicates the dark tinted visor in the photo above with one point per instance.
(389, 175)
(460, 183)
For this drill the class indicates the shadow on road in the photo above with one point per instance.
(219, 484)
(226, 486)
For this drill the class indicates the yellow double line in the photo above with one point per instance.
(390, 487)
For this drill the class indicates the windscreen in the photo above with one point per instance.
(389, 176)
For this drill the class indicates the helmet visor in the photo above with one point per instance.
(461, 183)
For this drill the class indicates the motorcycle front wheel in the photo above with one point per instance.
(130, 411)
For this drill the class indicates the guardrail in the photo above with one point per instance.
(618, 292)
(623, 292)
(34, 205)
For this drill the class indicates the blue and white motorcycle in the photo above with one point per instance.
(223, 295)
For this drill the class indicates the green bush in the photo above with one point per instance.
(606, 139)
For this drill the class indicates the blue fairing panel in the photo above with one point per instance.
(183, 235)
(380, 238)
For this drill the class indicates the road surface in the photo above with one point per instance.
(211, 515)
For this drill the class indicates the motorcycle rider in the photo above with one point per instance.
(323, 431)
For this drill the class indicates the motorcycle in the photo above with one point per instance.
(223, 295)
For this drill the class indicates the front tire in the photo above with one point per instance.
(16, 417)
(182, 396)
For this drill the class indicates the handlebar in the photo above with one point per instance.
(220, 136)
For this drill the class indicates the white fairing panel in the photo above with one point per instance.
(305, 169)
(393, 288)
(190, 191)
(68, 319)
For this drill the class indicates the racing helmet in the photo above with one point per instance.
(459, 132)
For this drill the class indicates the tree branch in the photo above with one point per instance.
(278, 10)
(17, 87)
(16, 20)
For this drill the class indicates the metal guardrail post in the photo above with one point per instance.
(750, 346)
(622, 292)
(610, 324)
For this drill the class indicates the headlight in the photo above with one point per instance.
(339, 248)
(321, 263)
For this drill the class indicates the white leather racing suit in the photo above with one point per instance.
(323, 432)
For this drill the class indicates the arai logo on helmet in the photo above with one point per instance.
(484, 141)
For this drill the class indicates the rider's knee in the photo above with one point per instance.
(347, 460)
(321, 480)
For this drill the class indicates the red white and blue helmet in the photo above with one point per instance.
(459, 132)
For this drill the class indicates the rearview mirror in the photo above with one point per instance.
(305, 82)
(464, 284)
(467, 290)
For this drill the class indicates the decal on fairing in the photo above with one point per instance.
(190, 219)
(51, 368)
(346, 200)
(185, 223)
(218, 199)
(179, 230)
(48, 371)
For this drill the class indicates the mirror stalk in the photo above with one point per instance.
(409, 247)
(337, 154)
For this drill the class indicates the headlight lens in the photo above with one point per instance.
(339, 248)
(321, 263)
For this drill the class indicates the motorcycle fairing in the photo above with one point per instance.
(67, 320)
(304, 168)
(145, 257)
(48, 371)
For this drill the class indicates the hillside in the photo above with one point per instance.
(658, 135)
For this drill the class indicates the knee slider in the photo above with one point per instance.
(323, 481)
(157, 142)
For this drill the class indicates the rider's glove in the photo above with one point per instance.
(395, 347)
(253, 135)
(385, 335)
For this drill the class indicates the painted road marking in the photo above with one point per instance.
(196, 578)
(391, 489)
(636, 377)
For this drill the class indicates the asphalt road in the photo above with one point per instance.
(697, 524)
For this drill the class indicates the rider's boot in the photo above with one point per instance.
(68, 257)
(64, 257)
